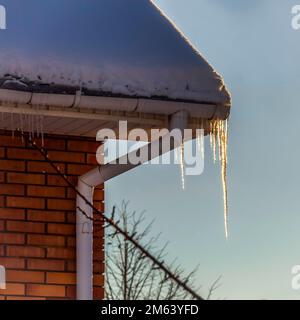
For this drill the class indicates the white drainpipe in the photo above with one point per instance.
(86, 185)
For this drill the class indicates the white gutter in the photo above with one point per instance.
(139, 105)
(97, 176)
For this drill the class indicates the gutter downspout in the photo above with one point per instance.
(99, 175)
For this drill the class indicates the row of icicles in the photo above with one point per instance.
(218, 132)
(24, 122)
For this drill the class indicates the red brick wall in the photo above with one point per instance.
(37, 218)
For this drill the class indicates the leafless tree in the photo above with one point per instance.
(130, 275)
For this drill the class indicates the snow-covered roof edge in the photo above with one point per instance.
(195, 82)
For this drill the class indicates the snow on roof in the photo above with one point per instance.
(104, 47)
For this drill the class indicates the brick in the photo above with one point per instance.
(44, 167)
(98, 293)
(83, 146)
(9, 141)
(71, 217)
(22, 251)
(71, 266)
(2, 201)
(45, 264)
(71, 242)
(58, 204)
(49, 253)
(12, 189)
(99, 194)
(61, 278)
(12, 263)
(12, 238)
(24, 298)
(99, 255)
(45, 240)
(78, 169)
(91, 159)
(24, 154)
(72, 157)
(16, 289)
(71, 292)
(53, 144)
(98, 230)
(46, 216)
(11, 165)
(99, 205)
(64, 229)
(47, 192)
(98, 250)
(71, 193)
(56, 180)
(26, 178)
(21, 276)
(61, 253)
(12, 214)
(45, 290)
(98, 246)
(98, 267)
(20, 226)
(22, 202)
(98, 280)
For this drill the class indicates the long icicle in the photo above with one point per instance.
(182, 167)
(219, 134)
(224, 140)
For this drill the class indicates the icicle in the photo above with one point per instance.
(219, 129)
(202, 144)
(37, 124)
(198, 140)
(214, 133)
(42, 129)
(210, 135)
(219, 136)
(224, 140)
(12, 125)
(32, 125)
(182, 167)
(22, 126)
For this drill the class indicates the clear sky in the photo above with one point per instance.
(252, 44)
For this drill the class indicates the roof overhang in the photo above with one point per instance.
(82, 115)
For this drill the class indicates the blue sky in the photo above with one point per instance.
(252, 44)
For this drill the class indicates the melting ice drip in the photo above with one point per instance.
(218, 131)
